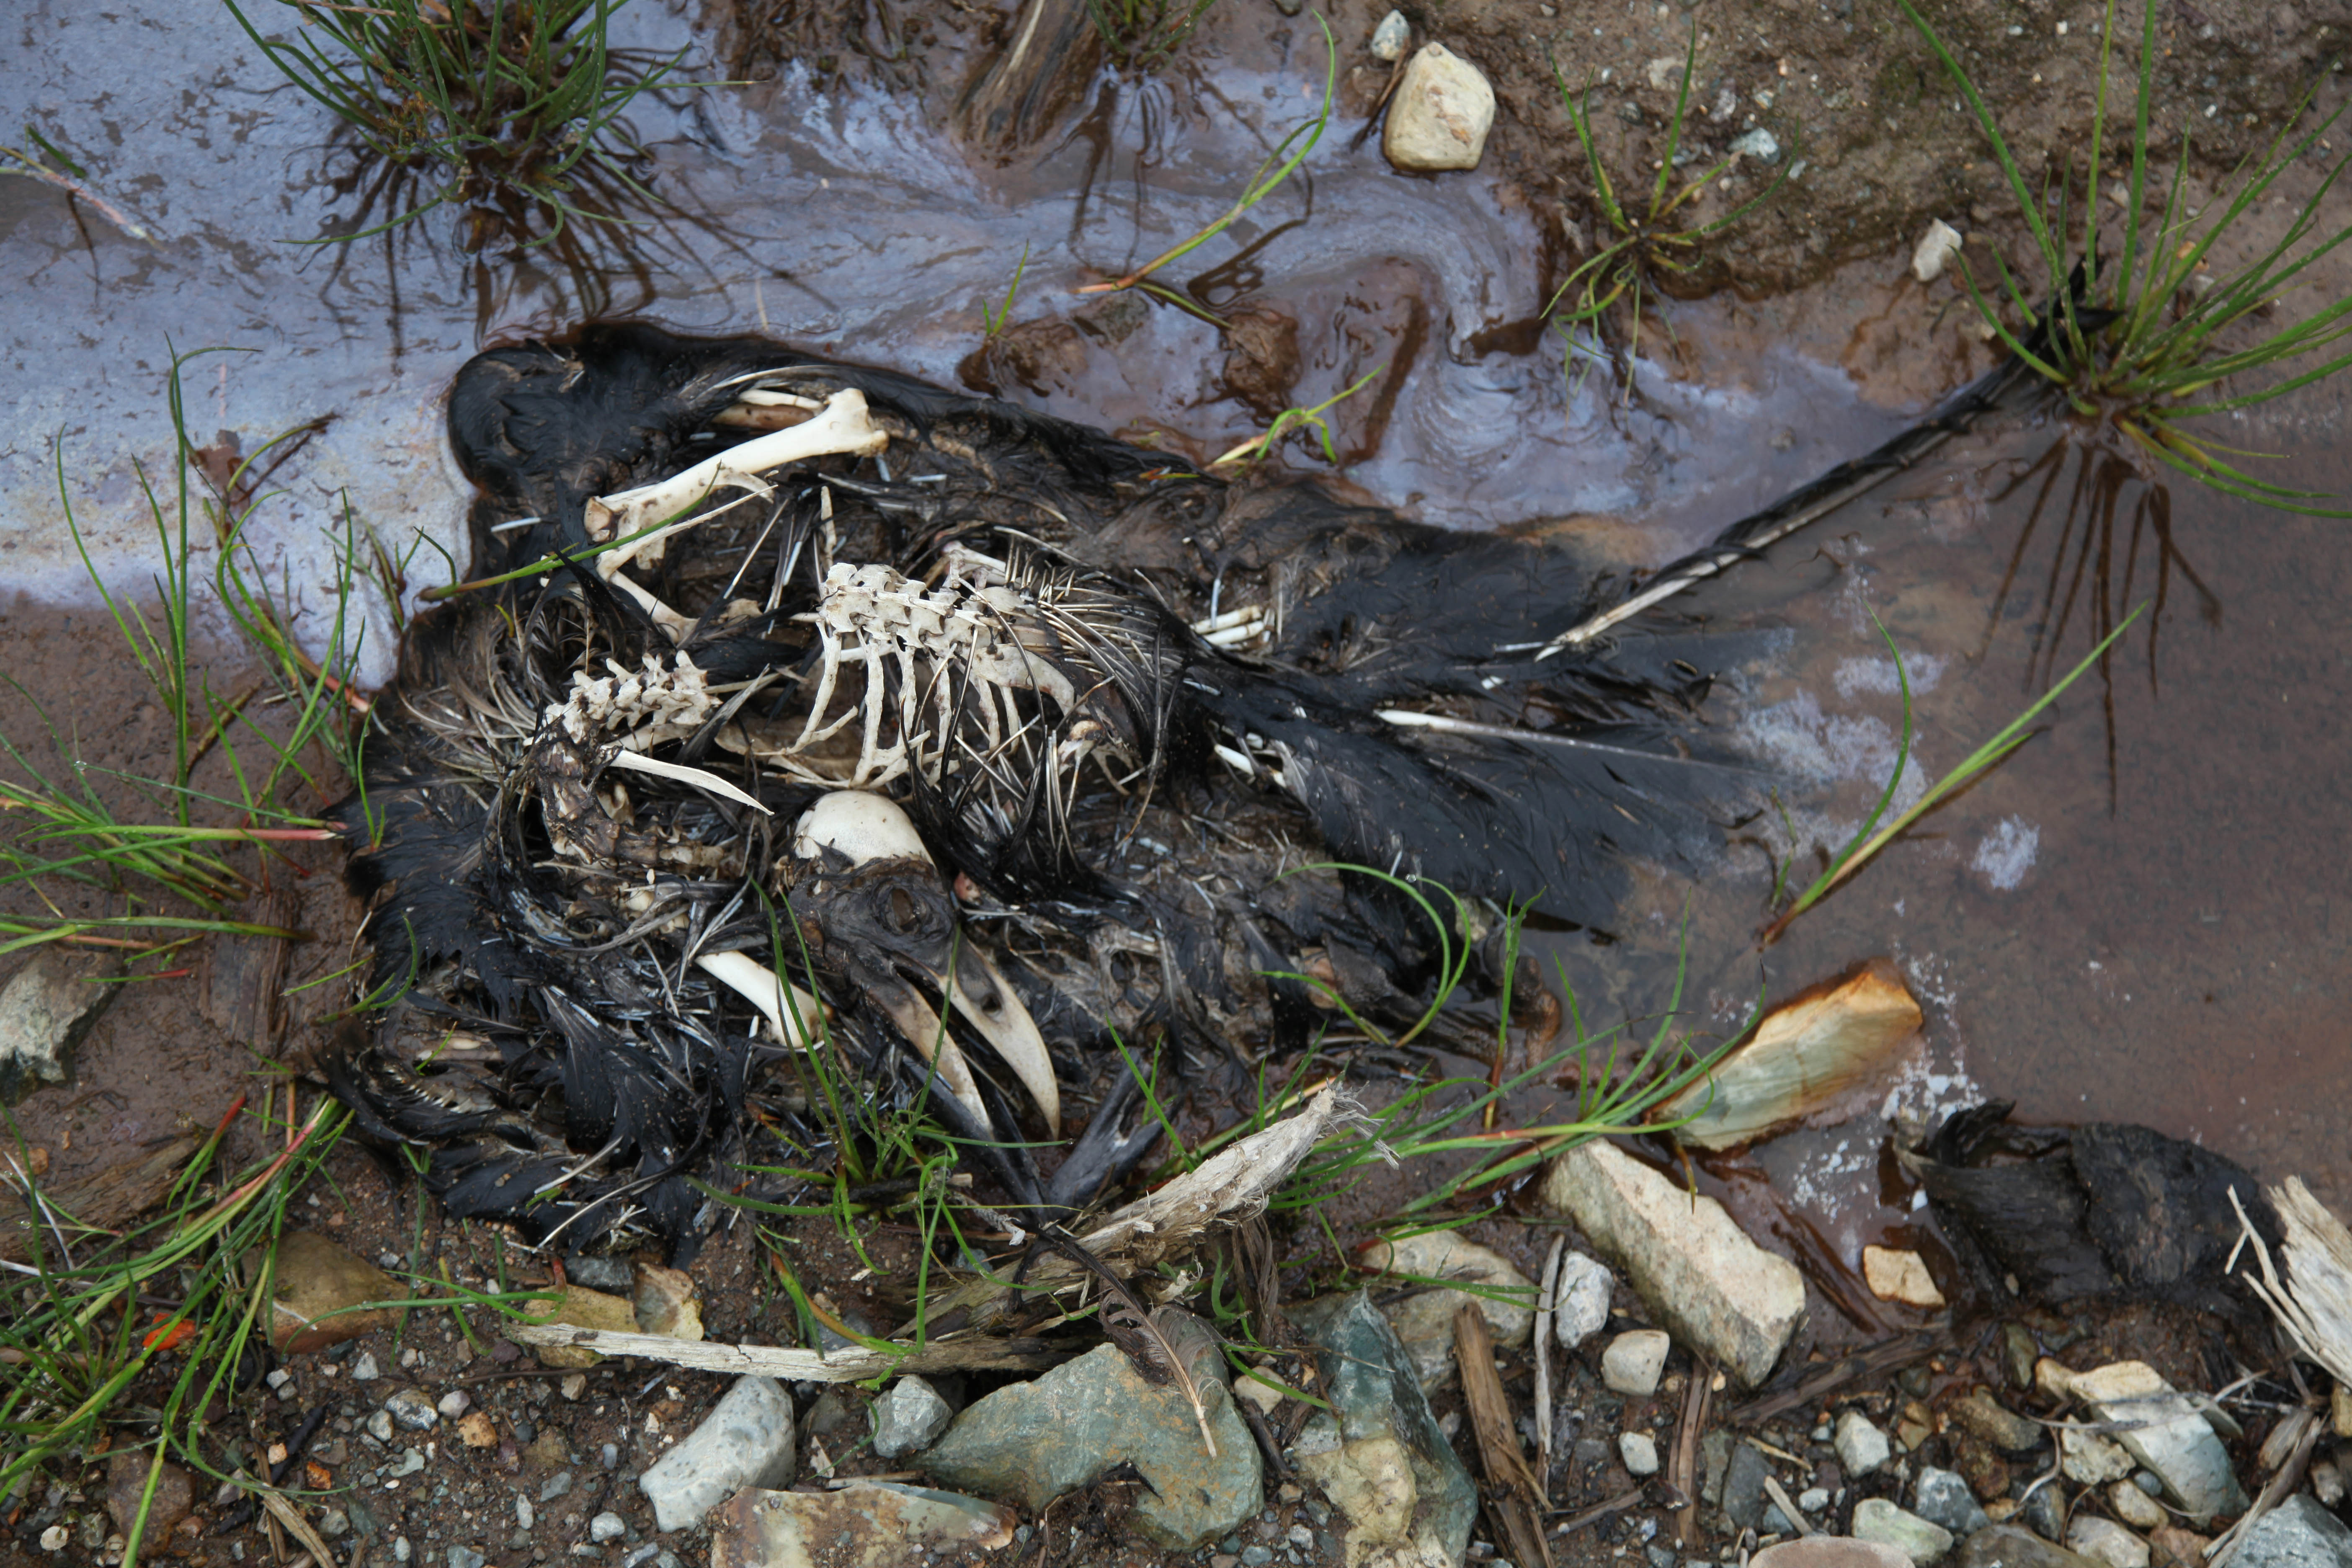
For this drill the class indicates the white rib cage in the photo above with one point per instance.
(994, 682)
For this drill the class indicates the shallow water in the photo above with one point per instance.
(2161, 937)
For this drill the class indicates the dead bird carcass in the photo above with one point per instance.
(853, 731)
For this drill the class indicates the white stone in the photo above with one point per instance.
(2104, 1540)
(1391, 37)
(1882, 1523)
(1759, 144)
(55, 1538)
(1935, 251)
(1665, 73)
(454, 1403)
(2164, 1431)
(1719, 1292)
(1893, 1275)
(2090, 1459)
(1861, 1446)
(1583, 1299)
(1634, 1360)
(606, 1527)
(1440, 115)
(1640, 1452)
(909, 1417)
(525, 1515)
(364, 1369)
(745, 1441)
(2134, 1506)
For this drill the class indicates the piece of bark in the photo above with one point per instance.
(1682, 1473)
(243, 979)
(1512, 1496)
(107, 1200)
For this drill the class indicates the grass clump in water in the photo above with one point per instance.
(1141, 35)
(511, 110)
(2135, 326)
(1642, 246)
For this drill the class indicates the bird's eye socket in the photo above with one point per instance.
(904, 913)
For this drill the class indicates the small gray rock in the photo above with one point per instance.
(1862, 1447)
(1639, 1450)
(525, 1515)
(334, 1522)
(606, 1526)
(379, 1425)
(1827, 1552)
(2136, 1506)
(556, 1486)
(400, 1549)
(2045, 1514)
(1583, 1295)
(1759, 144)
(2164, 1431)
(364, 1369)
(1634, 1360)
(45, 1010)
(2298, 1533)
(2104, 1540)
(745, 1441)
(454, 1403)
(411, 1461)
(412, 1410)
(464, 1557)
(1876, 1519)
(1944, 1499)
(908, 1417)
(1391, 38)
(1743, 1487)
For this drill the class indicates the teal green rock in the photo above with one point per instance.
(1379, 1455)
(1036, 1441)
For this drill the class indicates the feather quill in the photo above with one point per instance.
(1135, 1330)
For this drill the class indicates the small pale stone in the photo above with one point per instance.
(2090, 1460)
(1935, 251)
(1583, 1299)
(1640, 1452)
(477, 1430)
(2164, 1431)
(412, 1410)
(1440, 115)
(454, 1403)
(1759, 144)
(363, 1368)
(2104, 1540)
(56, 1538)
(908, 1417)
(1391, 38)
(379, 1425)
(525, 1515)
(606, 1527)
(1632, 1364)
(573, 1387)
(745, 1441)
(1876, 1519)
(1862, 1447)
(1900, 1277)
(1665, 73)
(1998, 1425)
(2134, 1506)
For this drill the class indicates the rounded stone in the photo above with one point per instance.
(1440, 115)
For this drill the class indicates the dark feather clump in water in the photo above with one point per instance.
(2102, 1210)
(1115, 710)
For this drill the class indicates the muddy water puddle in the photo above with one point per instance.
(2141, 919)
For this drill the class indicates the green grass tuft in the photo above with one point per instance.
(2133, 323)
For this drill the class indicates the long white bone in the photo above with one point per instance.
(842, 428)
(792, 1012)
(700, 778)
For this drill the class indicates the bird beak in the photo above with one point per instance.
(868, 829)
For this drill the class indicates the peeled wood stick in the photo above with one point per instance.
(1498, 1445)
